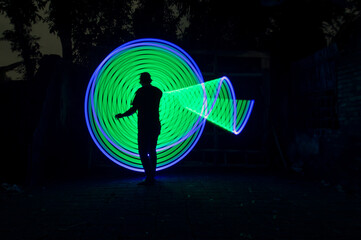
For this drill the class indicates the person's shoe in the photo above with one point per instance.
(151, 181)
(147, 182)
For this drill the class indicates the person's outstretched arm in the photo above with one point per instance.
(131, 111)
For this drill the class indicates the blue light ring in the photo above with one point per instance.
(249, 110)
(96, 123)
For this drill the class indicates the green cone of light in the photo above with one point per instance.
(221, 107)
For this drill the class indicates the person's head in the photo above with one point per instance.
(145, 78)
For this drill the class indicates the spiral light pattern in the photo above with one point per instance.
(186, 104)
(220, 105)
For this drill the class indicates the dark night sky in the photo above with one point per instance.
(50, 43)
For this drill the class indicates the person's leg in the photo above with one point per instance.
(152, 155)
(143, 153)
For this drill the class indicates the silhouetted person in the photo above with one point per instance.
(146, 102)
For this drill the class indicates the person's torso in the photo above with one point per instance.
(147, 102)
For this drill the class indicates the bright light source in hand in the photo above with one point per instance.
(186, 104)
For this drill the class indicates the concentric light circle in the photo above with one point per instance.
(112, 88)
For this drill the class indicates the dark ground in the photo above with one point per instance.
(186, 203)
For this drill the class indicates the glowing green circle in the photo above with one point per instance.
(112, 89)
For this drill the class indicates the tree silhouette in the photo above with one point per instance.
(101, 24)
(298, 28)
(155, 18)
(223, 24)
(83, 24)
(59, 16)
(335, 27)
(22, 14)
(90, 29)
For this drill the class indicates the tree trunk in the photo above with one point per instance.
(66, 43)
